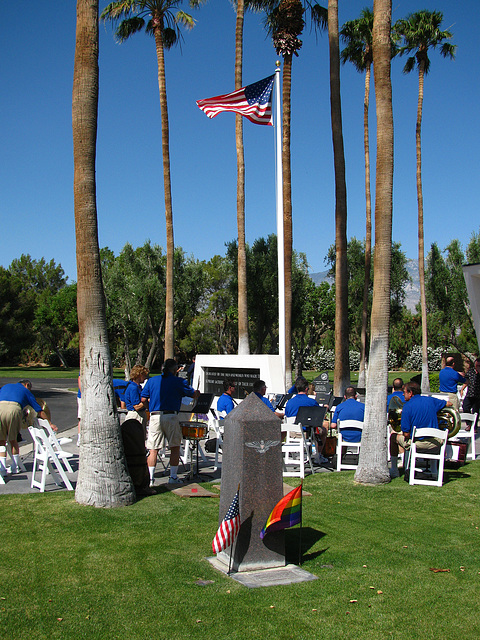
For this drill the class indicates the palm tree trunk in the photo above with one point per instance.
(287, 213)
(368, 232)
(103, 479)
(243, 343)
(421, 250)
(167, 185)
(342, 367)
(372, 468)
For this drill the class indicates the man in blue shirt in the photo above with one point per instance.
(119, 387)
(260, 389)
(225, 402)
(449, 378)
(420, 411)
(164, 395)
(349, 409)
(13, 400)
(302, 399)
(397, 392)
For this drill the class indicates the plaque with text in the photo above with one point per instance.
(243, 378)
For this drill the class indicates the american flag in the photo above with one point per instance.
(254, 102)
(229, 527)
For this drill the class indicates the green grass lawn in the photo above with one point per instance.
(131, 573)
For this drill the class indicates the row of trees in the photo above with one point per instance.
(38, 321)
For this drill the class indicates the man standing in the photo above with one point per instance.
(225, 402)
(164, 394)
(449, 378)
(13, 400)
(350, 409)
(302, 399)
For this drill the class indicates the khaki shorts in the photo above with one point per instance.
(428, 444)
(166, 425)
(140, 416)
(11, 420)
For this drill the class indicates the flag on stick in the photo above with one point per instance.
(229, 527)
(253, 101)
(286, 513)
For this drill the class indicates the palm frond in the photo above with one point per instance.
(170, 37)
(185, 19)
(318, 15)
(128, 27)
(117, 10)
(409, 65)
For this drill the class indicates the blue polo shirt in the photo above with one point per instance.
(350, 410)
(300, 400)
(16, 392)
(395, 393)
(165, 393)
(265, 401)
(120, 386)
(133, 395)
(449, 378)
(421, 411)
(225, 403)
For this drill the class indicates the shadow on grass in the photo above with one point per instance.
(307, 537)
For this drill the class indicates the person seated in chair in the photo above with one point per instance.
(302, 399)
(349, 409)
(397, 392)
(226, 403)
(419, 411)
(260, 389)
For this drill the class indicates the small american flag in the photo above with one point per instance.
(253, 101)
(228, 529)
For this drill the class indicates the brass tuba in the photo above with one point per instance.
(448, 418)
(395, 413)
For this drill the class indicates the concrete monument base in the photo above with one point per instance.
(289, 574)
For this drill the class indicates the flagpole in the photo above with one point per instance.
(231, 546)
(279, 203)
(301, 517)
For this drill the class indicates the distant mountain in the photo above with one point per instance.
(412, 290)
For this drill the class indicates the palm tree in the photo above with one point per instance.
(103, 480)
(342, 369)
(372, 468)
(163, 24)
(358, 37)
(421, 32)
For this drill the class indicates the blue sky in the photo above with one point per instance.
(36, 179)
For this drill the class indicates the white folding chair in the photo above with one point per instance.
(467, 432)
(44, 461)
(295, 450)
(62, 455)
(350, 447)
(437, 458)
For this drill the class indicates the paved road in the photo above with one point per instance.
(60, 400)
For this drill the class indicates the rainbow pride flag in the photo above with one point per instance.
(286, 513)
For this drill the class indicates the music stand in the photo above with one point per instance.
(310, 417)
(201, 406)
(283, 401)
